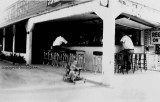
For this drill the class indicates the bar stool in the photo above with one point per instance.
(115, 63)
(50, 57)
(123, 64)
(65, 59)
(45, 57)
(60, 57)
(55, 59)
(80, 57)
(128, 63)
(131, 59)
(120, 64)
(142, 61)
(135, 62)
(72, 56)
(97, 61)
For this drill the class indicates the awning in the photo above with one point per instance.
(62, 13)
(128, 17)
(133, 22)
(139, 13)
(136, 19)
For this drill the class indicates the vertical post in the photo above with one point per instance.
(14, 32)
(4, 33)
(108, 15)
(142, 40)
(29, 48)
(108, 47)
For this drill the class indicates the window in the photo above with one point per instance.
(20, 37)
(85, 34)
(1, 39)
(1, 36)
(136, 34)
(9, 38)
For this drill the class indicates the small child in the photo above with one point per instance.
(73, 70)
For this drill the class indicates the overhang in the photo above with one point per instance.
(84, 12)
(67, 13)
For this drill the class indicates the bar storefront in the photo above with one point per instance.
(30, 27)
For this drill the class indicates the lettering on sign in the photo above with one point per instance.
(50, 2)
(156, 34)
(54, 3)
(155, 37)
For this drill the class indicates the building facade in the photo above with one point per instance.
(30, 27)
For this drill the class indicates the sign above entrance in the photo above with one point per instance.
(54, 3)
(155, 37)
(104, 2)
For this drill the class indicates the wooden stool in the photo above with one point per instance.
(97, 61)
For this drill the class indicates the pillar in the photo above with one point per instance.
(29, 48)
(4, 33)
(108, 48)
(108, 15)
(142, 40)
(108, 44)
(14, 32)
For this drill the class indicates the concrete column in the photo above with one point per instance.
(142, 40)
(108, 47)
(14, 32)
(4, 33)
(108, 15)
(29, 48)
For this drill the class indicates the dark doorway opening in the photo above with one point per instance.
(42, 39)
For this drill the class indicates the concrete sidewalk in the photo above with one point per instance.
(43, 83)
(38, 76)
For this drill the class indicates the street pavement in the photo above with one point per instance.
(43, 83)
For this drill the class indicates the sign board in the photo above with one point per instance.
(23, 9)
(54, 3)
(155, 37)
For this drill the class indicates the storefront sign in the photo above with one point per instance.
(155, 37)
(54, 3)
(23, 9)
(104, 2)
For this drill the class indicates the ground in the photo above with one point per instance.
(43, 83)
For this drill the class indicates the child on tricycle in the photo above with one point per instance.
(73, 72)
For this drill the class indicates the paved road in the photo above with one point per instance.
(41, 83)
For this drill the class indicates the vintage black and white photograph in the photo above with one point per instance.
(79, 50)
